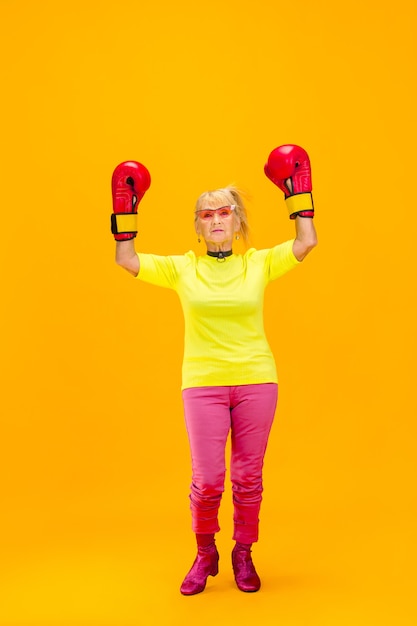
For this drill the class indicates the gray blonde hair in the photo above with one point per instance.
(228, 195)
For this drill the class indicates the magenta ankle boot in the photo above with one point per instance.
(206, 564)
(245, 574)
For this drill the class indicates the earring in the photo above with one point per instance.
(198, 239)
(237, 237)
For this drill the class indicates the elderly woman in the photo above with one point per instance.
(229, 378)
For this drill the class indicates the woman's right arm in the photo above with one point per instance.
(127, 257)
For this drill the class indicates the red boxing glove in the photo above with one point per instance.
(129, 183)
(288, 167)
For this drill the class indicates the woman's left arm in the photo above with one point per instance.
(306, 237)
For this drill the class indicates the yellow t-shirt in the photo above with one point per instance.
(222, 302)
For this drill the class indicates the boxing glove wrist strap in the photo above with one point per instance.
(302, 214)
(124, 223)
(299, 204)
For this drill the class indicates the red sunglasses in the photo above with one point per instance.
(223, 211)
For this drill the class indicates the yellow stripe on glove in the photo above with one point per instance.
(125, 223)
(299, 202)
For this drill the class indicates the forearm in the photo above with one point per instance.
(305, 238)
(127, 257)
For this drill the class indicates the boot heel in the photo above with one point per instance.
(215, 569)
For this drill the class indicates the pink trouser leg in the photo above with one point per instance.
(207, 418)
(210, 413)
(252, 416)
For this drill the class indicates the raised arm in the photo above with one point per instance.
(130, 181)
(306, 237)
(127, 257)
(288, 167)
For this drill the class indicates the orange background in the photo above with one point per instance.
(95, 526)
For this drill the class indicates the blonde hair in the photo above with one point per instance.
(228, 195)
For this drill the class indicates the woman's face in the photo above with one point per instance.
(217, 223)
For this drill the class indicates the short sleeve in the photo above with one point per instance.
(278, 260)
(160, 270)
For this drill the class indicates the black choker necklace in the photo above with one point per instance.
(220, 255)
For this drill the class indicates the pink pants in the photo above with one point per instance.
(210, 413)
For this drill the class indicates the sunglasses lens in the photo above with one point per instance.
(208, 214)
(225, 211)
